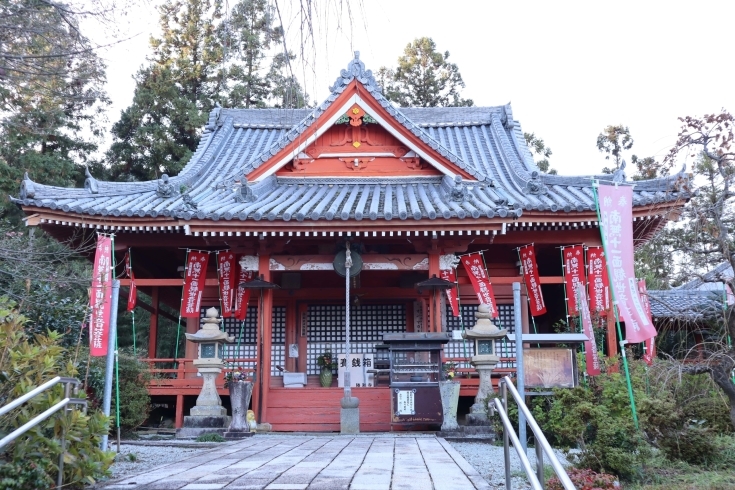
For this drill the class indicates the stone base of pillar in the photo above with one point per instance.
(237, 435)
(207, 411)
(477, 419)
(195, 426)
(349, 416)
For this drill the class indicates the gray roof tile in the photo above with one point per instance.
(485, 141)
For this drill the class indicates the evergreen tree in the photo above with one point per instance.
(250, 34)
(160, 130)
(424, 78)
(200, 59)
(51, 95)
(285, 90)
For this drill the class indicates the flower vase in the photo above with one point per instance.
(325, 377)
(449, 391)
(240, 392)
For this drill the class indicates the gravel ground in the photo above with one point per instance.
(140, 457)
(488, 461)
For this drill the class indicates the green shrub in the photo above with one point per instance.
(135, 402)
(682, 417)
(31, 475)
(210, 438)
(597, 420)
(27, 362)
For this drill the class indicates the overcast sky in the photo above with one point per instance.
(568, 68)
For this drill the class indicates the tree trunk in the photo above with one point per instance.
(721, 373)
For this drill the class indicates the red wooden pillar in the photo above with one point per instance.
(179, 422)
(435, 296)
(265, 331)
(153, 330)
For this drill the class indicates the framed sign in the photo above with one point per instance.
(549, 368)
(305, 323)
(406, 404)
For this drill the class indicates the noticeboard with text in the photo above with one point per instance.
(549, 368)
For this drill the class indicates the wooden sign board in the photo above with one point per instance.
(549, 368)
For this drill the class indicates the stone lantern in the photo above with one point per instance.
(484, 334)
(208, 415)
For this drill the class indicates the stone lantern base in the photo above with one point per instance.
(478, 412)
(208, 416)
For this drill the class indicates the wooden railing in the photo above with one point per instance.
(173, 376)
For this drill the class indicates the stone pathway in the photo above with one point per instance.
(291, 462)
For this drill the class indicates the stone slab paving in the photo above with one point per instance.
(306, 462)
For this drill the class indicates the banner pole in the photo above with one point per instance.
(461, 319)
(615, 309)
(178, 326)
(566, 307)
(132, 312)
(520, 375)
(111, 342)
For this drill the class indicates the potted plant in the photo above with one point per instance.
(449, 389)
(327, 364)
(240, 385)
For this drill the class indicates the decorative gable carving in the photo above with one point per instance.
(357, 143)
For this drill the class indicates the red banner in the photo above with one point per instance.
(133, 294)
(616, 220)
(451, 276)
(573, 275)
(475, 268)
(649, 344)
(196, 274)
(533, 283)
(591, 355)
(226, 271)
(599, 284)
(242, 296)
(101, 297)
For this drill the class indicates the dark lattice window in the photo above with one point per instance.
(326, 326)
(244, 332)
(367, 322)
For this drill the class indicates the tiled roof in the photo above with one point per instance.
(712, 279)
(484, 141)
(686, 304)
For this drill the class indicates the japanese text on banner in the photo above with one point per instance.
(475, 267)
(533, 282)
(101, 297)
(242, 295)
(573, 275)
(616, 223)
(649, 344)
(451, 276)
(591, 355)
(226, 271)
(196, 275)
(599, 285)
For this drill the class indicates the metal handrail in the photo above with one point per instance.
(542, 444)
(63, 404)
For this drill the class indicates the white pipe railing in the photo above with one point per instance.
(63, 404)
(542, 444)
